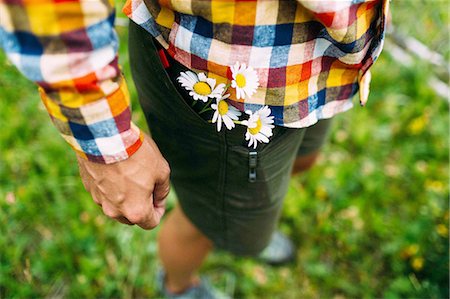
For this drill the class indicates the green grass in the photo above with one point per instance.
(370, 220)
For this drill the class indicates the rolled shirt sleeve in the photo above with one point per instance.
(69, 48)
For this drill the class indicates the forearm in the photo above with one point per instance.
(70, 50)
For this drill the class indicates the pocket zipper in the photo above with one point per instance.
(252, 163)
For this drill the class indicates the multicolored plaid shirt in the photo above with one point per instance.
(311, 57)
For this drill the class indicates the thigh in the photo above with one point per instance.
(315, 137)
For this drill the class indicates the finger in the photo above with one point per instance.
(160, 194)
(139, 213)
(115, 214)
(110, 211)
(96, 197)
(124, 220)
(154, 219)
(162, 185)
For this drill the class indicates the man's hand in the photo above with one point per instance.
(132, 191)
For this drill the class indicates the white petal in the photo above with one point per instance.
(194, 95)
(233, 115)
(250, 141)
(219, 89)
(250, 93)
(202, 77)
(235, 68)
(192, 76)
(211, 82)
(215, 116)
(255, 143)
(266, 131)
(262, 138)
(234, 109)
(265, 111)
(185, 79)
(219, 123)
(240, 94)
(184, 83)
(214, 106)
(228, 122)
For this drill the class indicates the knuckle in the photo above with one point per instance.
(111, 213)
(166, 191)
(151, 225)
(136, 217)
(154, 224)
(165, 170)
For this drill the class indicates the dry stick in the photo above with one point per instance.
(419, 49)
(405, 59)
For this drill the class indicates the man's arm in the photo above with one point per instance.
(69, 48)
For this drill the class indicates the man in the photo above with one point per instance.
(310, 57)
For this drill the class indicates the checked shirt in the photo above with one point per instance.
(311, 57)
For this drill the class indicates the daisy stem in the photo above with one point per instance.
(193, 103)
(226, 87)
(238, 122)
(206, 108)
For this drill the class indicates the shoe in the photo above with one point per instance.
(280, 250)
(204, 290)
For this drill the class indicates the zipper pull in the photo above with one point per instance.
(252, 162)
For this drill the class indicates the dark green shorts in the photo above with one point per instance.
(233, 194)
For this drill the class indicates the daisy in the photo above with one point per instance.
(224, 112)
(259, 126)
(200, 87)
(245, 80)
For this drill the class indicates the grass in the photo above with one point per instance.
(370, 220)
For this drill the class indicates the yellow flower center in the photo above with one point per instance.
(256, 129)
(240, 80)
(223, 108)
(202, 88)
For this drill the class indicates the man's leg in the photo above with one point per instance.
(309, 151)
(303, 163)
(182, 249)
(281, 250)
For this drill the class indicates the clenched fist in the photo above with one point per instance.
(132, 191)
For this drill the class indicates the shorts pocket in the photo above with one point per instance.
(259, 179)
(158, 94)
(282, 147)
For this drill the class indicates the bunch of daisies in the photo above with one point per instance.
(245, 81)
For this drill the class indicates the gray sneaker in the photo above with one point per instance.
(204, 290)
(280, 250)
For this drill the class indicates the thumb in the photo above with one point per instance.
(160, 193)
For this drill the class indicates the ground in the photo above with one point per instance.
(370, 220)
